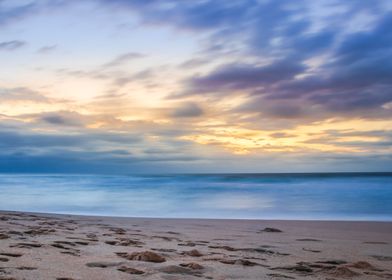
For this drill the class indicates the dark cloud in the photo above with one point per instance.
(11, 140)
(62, 118)
(366, 44)
(83, 150)
(88, 162)
(187, 110)
(11, 45)
(353, 76)
(351, 79)
(243, 77)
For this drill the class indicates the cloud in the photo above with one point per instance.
(291, 36)
(47, 49)
(187, 110)
(193, 15)
(351, 76)
(124, 79)
(63, 118)
(123, 58)
(281, 135)
(265, 68)
(10, 11)
(243, 77)
(193, 63)
(21, 94)
(11, 45)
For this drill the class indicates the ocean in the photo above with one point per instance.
(327, 196)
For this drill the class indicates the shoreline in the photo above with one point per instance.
(198, 218)
(74, 247)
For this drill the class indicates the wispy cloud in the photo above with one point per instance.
(47, 49)
(11, 45)
(123, 58)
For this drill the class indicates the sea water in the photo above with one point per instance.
(356, 196)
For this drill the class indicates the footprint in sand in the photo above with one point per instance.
(174, 269)
(278, 275)
(240, 262)
(103, 264)
(7, 278)
(124, 242)
(12, 255)
(311, 250)
(4, 236)
(130, 270)
(382, 258)
(376, 242)
(26, 245)
(26, 268)
(308, 240)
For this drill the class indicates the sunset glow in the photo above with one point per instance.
(186, 86)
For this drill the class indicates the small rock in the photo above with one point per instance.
(227, 261)
(146, 256)
(343, 272)
(192, 265)
(189, 244)
(119, 231)
(362, 265)
(245, 262)
(269, 229)
(193, 253)
(227, 248)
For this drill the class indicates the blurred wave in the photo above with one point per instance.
(331, 196)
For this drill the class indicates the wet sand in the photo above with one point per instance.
(65, 247)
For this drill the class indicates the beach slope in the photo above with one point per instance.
(65, 247)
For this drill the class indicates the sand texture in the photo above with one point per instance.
(65, 247)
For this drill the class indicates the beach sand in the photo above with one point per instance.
(65, 247)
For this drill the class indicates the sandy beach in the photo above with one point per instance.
(65, 247)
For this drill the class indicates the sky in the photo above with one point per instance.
(201, 86)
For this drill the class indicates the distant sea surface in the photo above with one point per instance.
(359, 196)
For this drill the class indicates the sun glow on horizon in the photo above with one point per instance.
(179, 85)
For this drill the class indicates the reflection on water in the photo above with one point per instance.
(281, 196)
